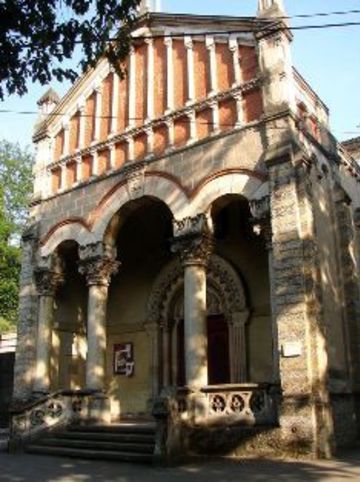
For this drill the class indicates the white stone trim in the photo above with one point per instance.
(188, 41)
(63, 167)
(132, 88)
(234, 47)
(216, 117)
(78, 161)
(193, 127)
(82, 125)
(95, 162)
(112, 154)
(158, 187)
(98, 111)
(70, 232)
(150, 79)
(66, 144)
(114, 103)
(170, 74)
(232, 183)
(211, 46)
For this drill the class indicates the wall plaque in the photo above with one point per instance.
(124, 359)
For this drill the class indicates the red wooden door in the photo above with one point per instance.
(218, 351)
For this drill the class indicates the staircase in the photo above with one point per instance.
(123, 442)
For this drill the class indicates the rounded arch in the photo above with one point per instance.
(245, 183)
(69, 230)
(221, 276)
(151, 185)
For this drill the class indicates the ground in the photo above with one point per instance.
(19, 468)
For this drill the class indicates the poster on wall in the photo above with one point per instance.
(124, 359)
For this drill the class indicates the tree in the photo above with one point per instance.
(36, 36)
(15, 188)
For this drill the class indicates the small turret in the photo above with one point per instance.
(149, 6)
(47, 103)
(271, 8)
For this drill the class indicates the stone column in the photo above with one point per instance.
(304, 412)
(82, 124)
(98, 112)
(152, 329)
(47, 281)
(132, 89)
(78, 161)
(346, 246)
(97, 263)
(25, 357)
(237, 342)
(165, 335)
(190, 69)
(150, 79)
(211, 46)
(260, 211)
(66, 144)
(193, 241)
(169, 75)
(114, 102)
(234, 48)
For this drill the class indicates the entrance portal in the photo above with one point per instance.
(218, 351)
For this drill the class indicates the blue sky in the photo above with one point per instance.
(329, 59)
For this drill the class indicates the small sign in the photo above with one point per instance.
(291, 349)
(124, 359)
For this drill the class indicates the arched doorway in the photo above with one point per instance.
(226, 304)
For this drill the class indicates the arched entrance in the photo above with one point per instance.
(227, 314)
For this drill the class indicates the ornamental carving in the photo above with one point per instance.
(47, 281)
(193, 239)
(98, 271)
(135, 183)
(97, 263)
(261, 219)
(223, 283)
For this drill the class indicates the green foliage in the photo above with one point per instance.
(36, 36)
(15, 185)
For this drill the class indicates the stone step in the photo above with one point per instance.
(106, 436)
(80, 443)
(89, 454)
(144, 428)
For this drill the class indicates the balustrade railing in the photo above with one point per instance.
(247, 404)
(50, 411)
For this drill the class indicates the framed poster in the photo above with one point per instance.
(124, 359)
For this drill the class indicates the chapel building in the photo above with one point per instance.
(193, 252)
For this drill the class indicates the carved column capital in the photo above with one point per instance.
(193, 239)
(97, 263)
(261, 219)
(47, 281)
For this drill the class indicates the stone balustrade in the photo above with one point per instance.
(54, 410)
(240, 404)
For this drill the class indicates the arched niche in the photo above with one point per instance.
(225, 297)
